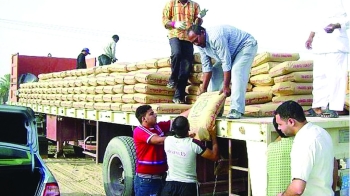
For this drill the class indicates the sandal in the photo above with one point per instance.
(330, 114)
(311, 113)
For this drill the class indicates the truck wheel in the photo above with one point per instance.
(119, 166)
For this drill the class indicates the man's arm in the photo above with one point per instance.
(81, 62)
(308, 43)
(166, 19)
(212, 154)
(207, 68)
(295, 188)
(156, 140)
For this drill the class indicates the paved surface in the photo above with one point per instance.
(76, 176)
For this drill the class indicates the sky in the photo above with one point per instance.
(63, 28)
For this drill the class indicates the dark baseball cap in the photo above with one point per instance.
(86, 50)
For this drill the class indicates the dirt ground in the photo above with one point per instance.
(75, 176)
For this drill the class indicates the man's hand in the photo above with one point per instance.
(331, 27)
(226, 90)
(308, 43)
(114, 60)
(201, 90)
(202, 13)
(180, 25)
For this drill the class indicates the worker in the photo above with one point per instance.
(181, 151)
(234, 51)
(312, 154)
(81, 63)
(330, 44)
(179, 15)
(109, 52)
(151, 162)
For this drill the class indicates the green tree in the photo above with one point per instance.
(4, 88)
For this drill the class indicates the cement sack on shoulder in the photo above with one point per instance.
(301, 99)
(274, 57)
(190, 99)
(169, 108)
(102, 106)
(164, 62)
(261, 80)
(292, 88)
(152, 89)
(116, 106)
(157, 79)
(302, 76)
(129, 89)
(291, 66)
(263, 68)
(203, 114)
(148, 99)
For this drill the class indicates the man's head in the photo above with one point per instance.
(197, 35)
(290, 117)
(276, 128)
(86, 51)
(115, 38)
(181, 126)
(146, 116)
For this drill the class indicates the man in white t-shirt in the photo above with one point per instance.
(312, 156)
(181, 151)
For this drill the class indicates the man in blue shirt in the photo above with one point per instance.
(234, 51)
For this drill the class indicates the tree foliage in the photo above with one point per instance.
(4, 87)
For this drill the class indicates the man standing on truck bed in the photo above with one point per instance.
(81, 63)
(181, 151)
(178, 15)
(151, 163)
(312, 155)
(109, 52)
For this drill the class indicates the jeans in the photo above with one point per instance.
(181, 65)
(147, 186)
(241, 65)
(104, 60)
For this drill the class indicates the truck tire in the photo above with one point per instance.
(118, 169)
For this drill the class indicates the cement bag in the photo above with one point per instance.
(77, 90)
(258, 97)
(116, 106)
(302, 76)
(63, 97)
(169, 108)
(82, 97)
(261, 80)
(203, 114)
(301, 99)
(197, 68)
(118, 67)
(56, 103)
(128, 98)
(78, 82)
(99, 89)
(89, 105)
(262, 88)
(130, 79)
(110, 80)
(67, 104)
(83, 89)
(261, 110)
(90, 98)
(85, 81)
(147, 99)
(108, 89)
(152, 63)
(102, 69)
(92, 81)
(153, 89)
(102, 106)
(249, 87)
(164, 62)
(157, 79)
(101, 81)
(164, 71)
(263, 68)
(131, 67)
(141, 65)
(76, 98)
(129, 89)
(102, 74)
(146, 71)
(130, 107)
(90, 71)
(291, 66)
(195, 78)
(197, 58)
(107, 98)
(63, 91)
(84, 72)
(91, 90)
(119, 88)
(292, 88)
(190, 99)
(192, 89)
(274, 57)
(79, 105)
(117, 98)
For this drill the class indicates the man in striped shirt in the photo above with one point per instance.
(151, 163)
(234, 51)
(179, 15)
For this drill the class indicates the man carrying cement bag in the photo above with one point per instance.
(234, 51)
(108, 56)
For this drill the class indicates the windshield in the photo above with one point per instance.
(12, 129)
